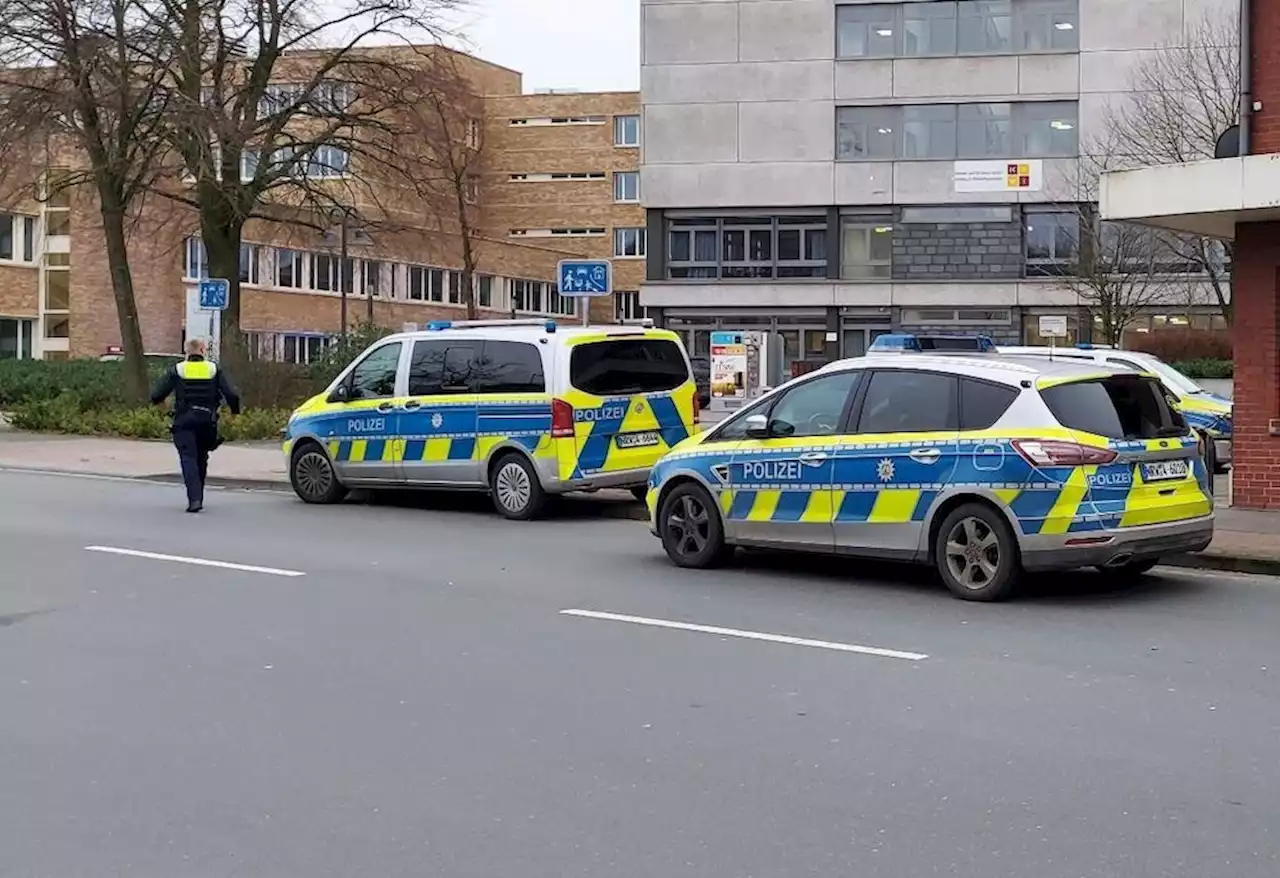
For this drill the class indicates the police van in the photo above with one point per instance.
(1207, 413)
(985, 467)
(519, 408)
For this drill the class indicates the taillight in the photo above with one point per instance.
(1040, 452)
(697, 409)
(561, 419)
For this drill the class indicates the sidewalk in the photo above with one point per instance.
(1244, 541)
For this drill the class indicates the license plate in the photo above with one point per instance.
(1164, 470)
(636, 440)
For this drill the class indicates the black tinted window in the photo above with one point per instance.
(511, 367)
(374, 377)
(640, 365)
(982, 404)
(909, 402)
(444, 366)
(1119, 408)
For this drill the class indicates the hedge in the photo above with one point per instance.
(67, 414)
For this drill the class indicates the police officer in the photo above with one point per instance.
(197, 386)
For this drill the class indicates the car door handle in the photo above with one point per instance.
(813, 458)
(926, 455)
(412, 405)
(385, 407)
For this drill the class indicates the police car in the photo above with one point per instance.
(518, 408)
(1207, 413)
(983, 466)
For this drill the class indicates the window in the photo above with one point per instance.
(1120, 407)
(510, 367)
(28, 239)
(197, 261)
(626, 186)
(814, 408)
(1052, 243)
(484, 291)
(627, 366)
(370, 278)
(375, 376)
(626, 130)
(289, 269)
(299, 348)
(866, 251)
(526, 295)
(328, 161)
(970, 316)
(472, 191)
(250, 270)
(747, 247)
(628, 243)
(324, 272)
(978, 213)
(440, 367)
(435, 285)
(565, 306)
(909, 402)
(983, 403)
(1030, 129)
(969, 27)
(455, 288)
(417, 283)
(626, 305)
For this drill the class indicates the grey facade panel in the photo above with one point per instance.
(969, 251)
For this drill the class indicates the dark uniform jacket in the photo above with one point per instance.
(197, 385)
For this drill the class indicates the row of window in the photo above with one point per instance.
(626, 129)
(326, 272)
(17, 238)
(325, 161)
(626, 184)
(1029, 129)
(765, 247)
(967, 27)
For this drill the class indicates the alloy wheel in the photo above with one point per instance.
(314, 474)
(973, 553)
(512, 487)
(689, 525)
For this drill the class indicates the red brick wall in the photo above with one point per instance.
(1255, 452)
(1266, 76)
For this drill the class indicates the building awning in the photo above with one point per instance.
(1201, 198)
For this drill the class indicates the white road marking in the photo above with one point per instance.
(748, 635)
(199, 562)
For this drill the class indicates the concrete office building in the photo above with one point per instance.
(832, 169)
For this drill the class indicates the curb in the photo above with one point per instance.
(1211, 560)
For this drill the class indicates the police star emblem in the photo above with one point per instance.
(436, 420)
(884, 470)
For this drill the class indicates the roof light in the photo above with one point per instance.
(895, 343)
(550, 326)
(437, 325)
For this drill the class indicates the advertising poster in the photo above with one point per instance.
(728, 365)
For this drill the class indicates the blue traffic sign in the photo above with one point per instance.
(214, 294)
(585, 277)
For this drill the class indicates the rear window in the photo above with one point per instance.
(982, 403)
(1122, 407)
(624, 366)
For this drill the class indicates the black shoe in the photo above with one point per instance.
(194, 507)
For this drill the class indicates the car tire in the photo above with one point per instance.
(1132, 571)
(313, 477)
(976, 554)
(691, 528)
(515, 488)
(641, 493)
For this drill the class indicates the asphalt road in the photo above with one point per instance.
(395, 690)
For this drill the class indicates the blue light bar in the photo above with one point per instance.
(551, 326)
(437, 325)
(894, 343)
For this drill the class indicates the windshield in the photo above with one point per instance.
(1175, 379)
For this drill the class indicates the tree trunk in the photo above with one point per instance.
(135, 364)
(222, 244)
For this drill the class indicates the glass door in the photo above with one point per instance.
(15, 338)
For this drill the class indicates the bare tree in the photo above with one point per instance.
(447, 121)
(1182, 99)
(1124, 270)
(286, 111)
(84, 84)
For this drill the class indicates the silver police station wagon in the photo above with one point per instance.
(983, 466)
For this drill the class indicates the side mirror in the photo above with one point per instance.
(340, 393)
(757, 426)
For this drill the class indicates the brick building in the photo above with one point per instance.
(555, 180)
(1235, 198)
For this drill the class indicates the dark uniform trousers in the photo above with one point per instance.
(197, 387)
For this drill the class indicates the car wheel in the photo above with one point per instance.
(313, 478)
(691, 529)
(976, 554)
(641, 493)
(1131, 571)
(517, 493)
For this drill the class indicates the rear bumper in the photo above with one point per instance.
(1115, 547)
(627, 478)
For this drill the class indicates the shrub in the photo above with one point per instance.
(339, 354)
(1206, 368)
(66, 413)
(1186, 345)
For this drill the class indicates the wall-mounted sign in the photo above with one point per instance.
(997, 176)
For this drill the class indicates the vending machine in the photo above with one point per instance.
(739, 369)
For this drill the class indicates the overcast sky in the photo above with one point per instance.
(591, 45)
